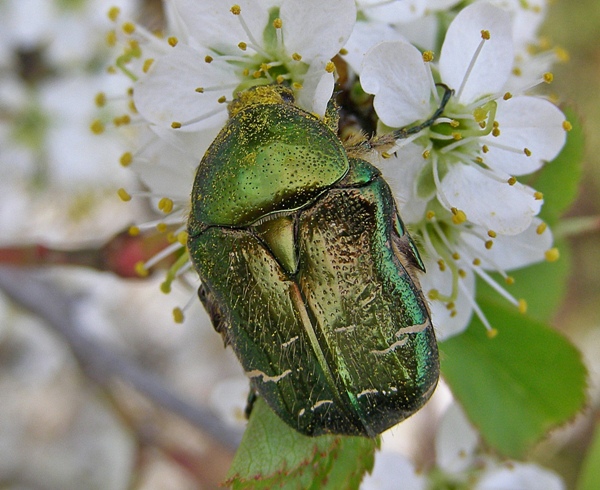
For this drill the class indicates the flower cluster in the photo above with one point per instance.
(456, 181)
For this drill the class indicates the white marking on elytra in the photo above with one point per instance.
(391, 348)
(369, 391)
(255, 373)
(412, 329)
(301, 413)
(319, 403)
(290, 342)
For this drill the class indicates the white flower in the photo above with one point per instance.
(225, 49)
(459, 464)
(456, 180)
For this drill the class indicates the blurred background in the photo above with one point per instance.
(99, 388)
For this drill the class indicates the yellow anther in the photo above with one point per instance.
(538, 195)
(296, 57)
(485, 34)
(257, 74)
(222, 99)
(175, 125)
(140, 269)
(126, 159)
(277, 23)
(130, 91)
(124, 195)
(479, 160)
(242, 45)
(507, 96)
(562, 54)
(522, 306)
(161, 227)
(330, 67)
(385, 155)
(100, 99)
(548, 77)
(430, 215)
(527, 151)
(428, 56)
(441, 265)
(552, 255)
(343, 51)
(512, 181)
(111, 70)
(541, 228)
(178, 315)
(165, 287)
(462, 273)
(208, 59)
(457, 136)
(245, 72)
(133, 230)
(426, 154)
(122, 120)
(113, 13)
(567, 126)
(454, 123)
(280, 79)
(476, 261)
(147, 64)
(433, 294)
(489, 244)
(458, 216)
(485, 148)
(111, 38)
(128, 27)
(265, 67)
(171, 238)
(456, 256)
(297, 86)
(491, 333)
(479, 114)
(172, 40)
(200, 90)
(165, 205)
(517, 71)
(236, 10)
(495, 132)
(509, 280)
(97, 127)
(182, 237)
(492, 234)
(453, 313)
(450, 305)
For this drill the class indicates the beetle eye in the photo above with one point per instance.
(287, 97)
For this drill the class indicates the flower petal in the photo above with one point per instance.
(494, 205)
(401, 172)
(317, 88)
(448, 322)
(455, 442)
(393, 12)
(512, 252)
(391, 468)
(525, 122)
(211, 23)
(520, 475)
(396, 74)
(364, 36)
(168, 92)
(493, 65)
(314, 28)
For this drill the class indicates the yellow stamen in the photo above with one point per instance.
(124, 195)
(552, 255)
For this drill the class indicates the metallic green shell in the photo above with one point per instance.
(308, 273)
(268, 158)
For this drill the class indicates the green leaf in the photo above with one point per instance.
(559, 179)
(543, 285)
(518, 385)
(273, 455)
(590, 474)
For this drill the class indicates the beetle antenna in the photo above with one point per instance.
(406, 132)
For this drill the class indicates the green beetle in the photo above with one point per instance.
(308, 272)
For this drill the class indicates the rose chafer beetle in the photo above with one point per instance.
(308, 271)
